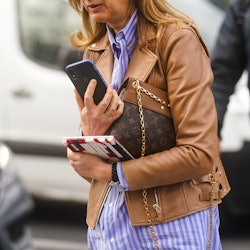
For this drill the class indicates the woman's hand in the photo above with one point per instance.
(90, 166)
(96, 119)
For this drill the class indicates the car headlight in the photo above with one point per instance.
(5, 155)
(7, 172)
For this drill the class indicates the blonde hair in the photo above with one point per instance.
(156, 13)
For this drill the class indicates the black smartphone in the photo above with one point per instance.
(81, 73)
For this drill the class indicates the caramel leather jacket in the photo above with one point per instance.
(178, 180)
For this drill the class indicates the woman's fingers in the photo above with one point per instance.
(115, 107)
(88, 97)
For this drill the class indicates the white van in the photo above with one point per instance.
(37, 105)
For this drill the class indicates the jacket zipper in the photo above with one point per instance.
(102, 204)
(157, 206)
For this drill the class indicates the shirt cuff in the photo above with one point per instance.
(121, 177)
(80, 132)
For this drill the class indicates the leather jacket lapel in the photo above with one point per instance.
(105, 64)
(101, 53)
(140, 65)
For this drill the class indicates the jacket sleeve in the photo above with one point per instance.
(228, 61)
(189, 79)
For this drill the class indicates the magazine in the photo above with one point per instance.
(106, 147)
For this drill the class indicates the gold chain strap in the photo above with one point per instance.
(151, 226)
(212, 198)
(137, 85)
(138, 88)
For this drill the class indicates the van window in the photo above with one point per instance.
(44, 29)
(220, 3)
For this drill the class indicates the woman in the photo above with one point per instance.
(152, 41)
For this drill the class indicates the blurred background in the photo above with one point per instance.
(42, 200)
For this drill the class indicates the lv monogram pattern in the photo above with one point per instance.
(160, 133)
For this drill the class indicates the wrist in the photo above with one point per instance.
(114, 172)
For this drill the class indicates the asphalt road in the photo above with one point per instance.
(62, 227)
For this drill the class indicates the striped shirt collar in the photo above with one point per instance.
(129, 32)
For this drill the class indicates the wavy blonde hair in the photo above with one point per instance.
(156, 13)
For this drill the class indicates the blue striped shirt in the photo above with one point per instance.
(113, 230)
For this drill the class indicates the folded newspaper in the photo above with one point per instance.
(106, 147)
